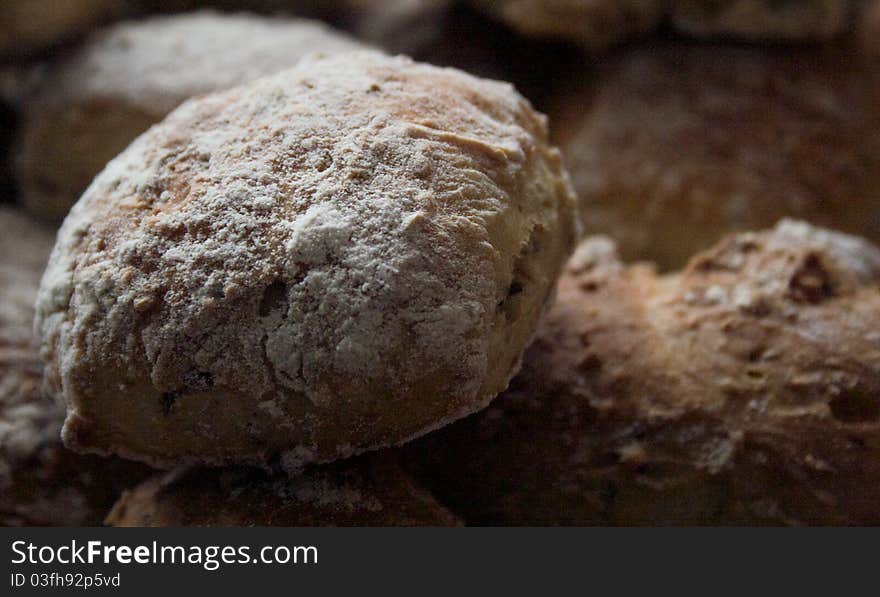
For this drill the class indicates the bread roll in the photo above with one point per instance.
(743, 390)
(41, 482)
(28, 26)
(92, 104)
(677, 145)
(333, 259)
(762, 20)
(367, 492)
(593, 24)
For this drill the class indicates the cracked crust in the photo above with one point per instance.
(676, 146)
(41, 482)
(743, 390)
(92, 104)
(368, 491)
(333, 259)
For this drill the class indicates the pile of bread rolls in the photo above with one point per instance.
(327, 264)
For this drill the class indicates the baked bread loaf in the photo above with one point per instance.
(370, 491)
(678, 145)
(333, 259)
(762, 20)
(41, 482)
(28, 26)
(91, 105)
(593, 24)
(743, 390)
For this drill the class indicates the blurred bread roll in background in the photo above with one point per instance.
(90, 105)
(41, 482)
(762, 20)
(332, 259)
(743, 390)
(671, 146)
(599, 24)
(30, 26)
(367, 491)
(593, 24)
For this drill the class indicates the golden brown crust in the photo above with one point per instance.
(369, 491)
(677, 145)
(744, 390)
(41, 482)
(333, 259)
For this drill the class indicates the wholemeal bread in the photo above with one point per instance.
(90, 105)
(41, 482)
(761, 20)
(676, 145)
(369, 491)
(743, 390)
(333, 259)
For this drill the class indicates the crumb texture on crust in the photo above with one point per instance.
(594, 24)
(369, 491)
(90, 105)
(41, 483)
(743, 390)
(684, 144)
(334, 258)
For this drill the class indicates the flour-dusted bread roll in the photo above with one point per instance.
(333, 259)
(28, 26)
(743, 390)
(762, 20)
(368, 491)
(593, 24)
(678, 145)
(41, 482)
(93, 103)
